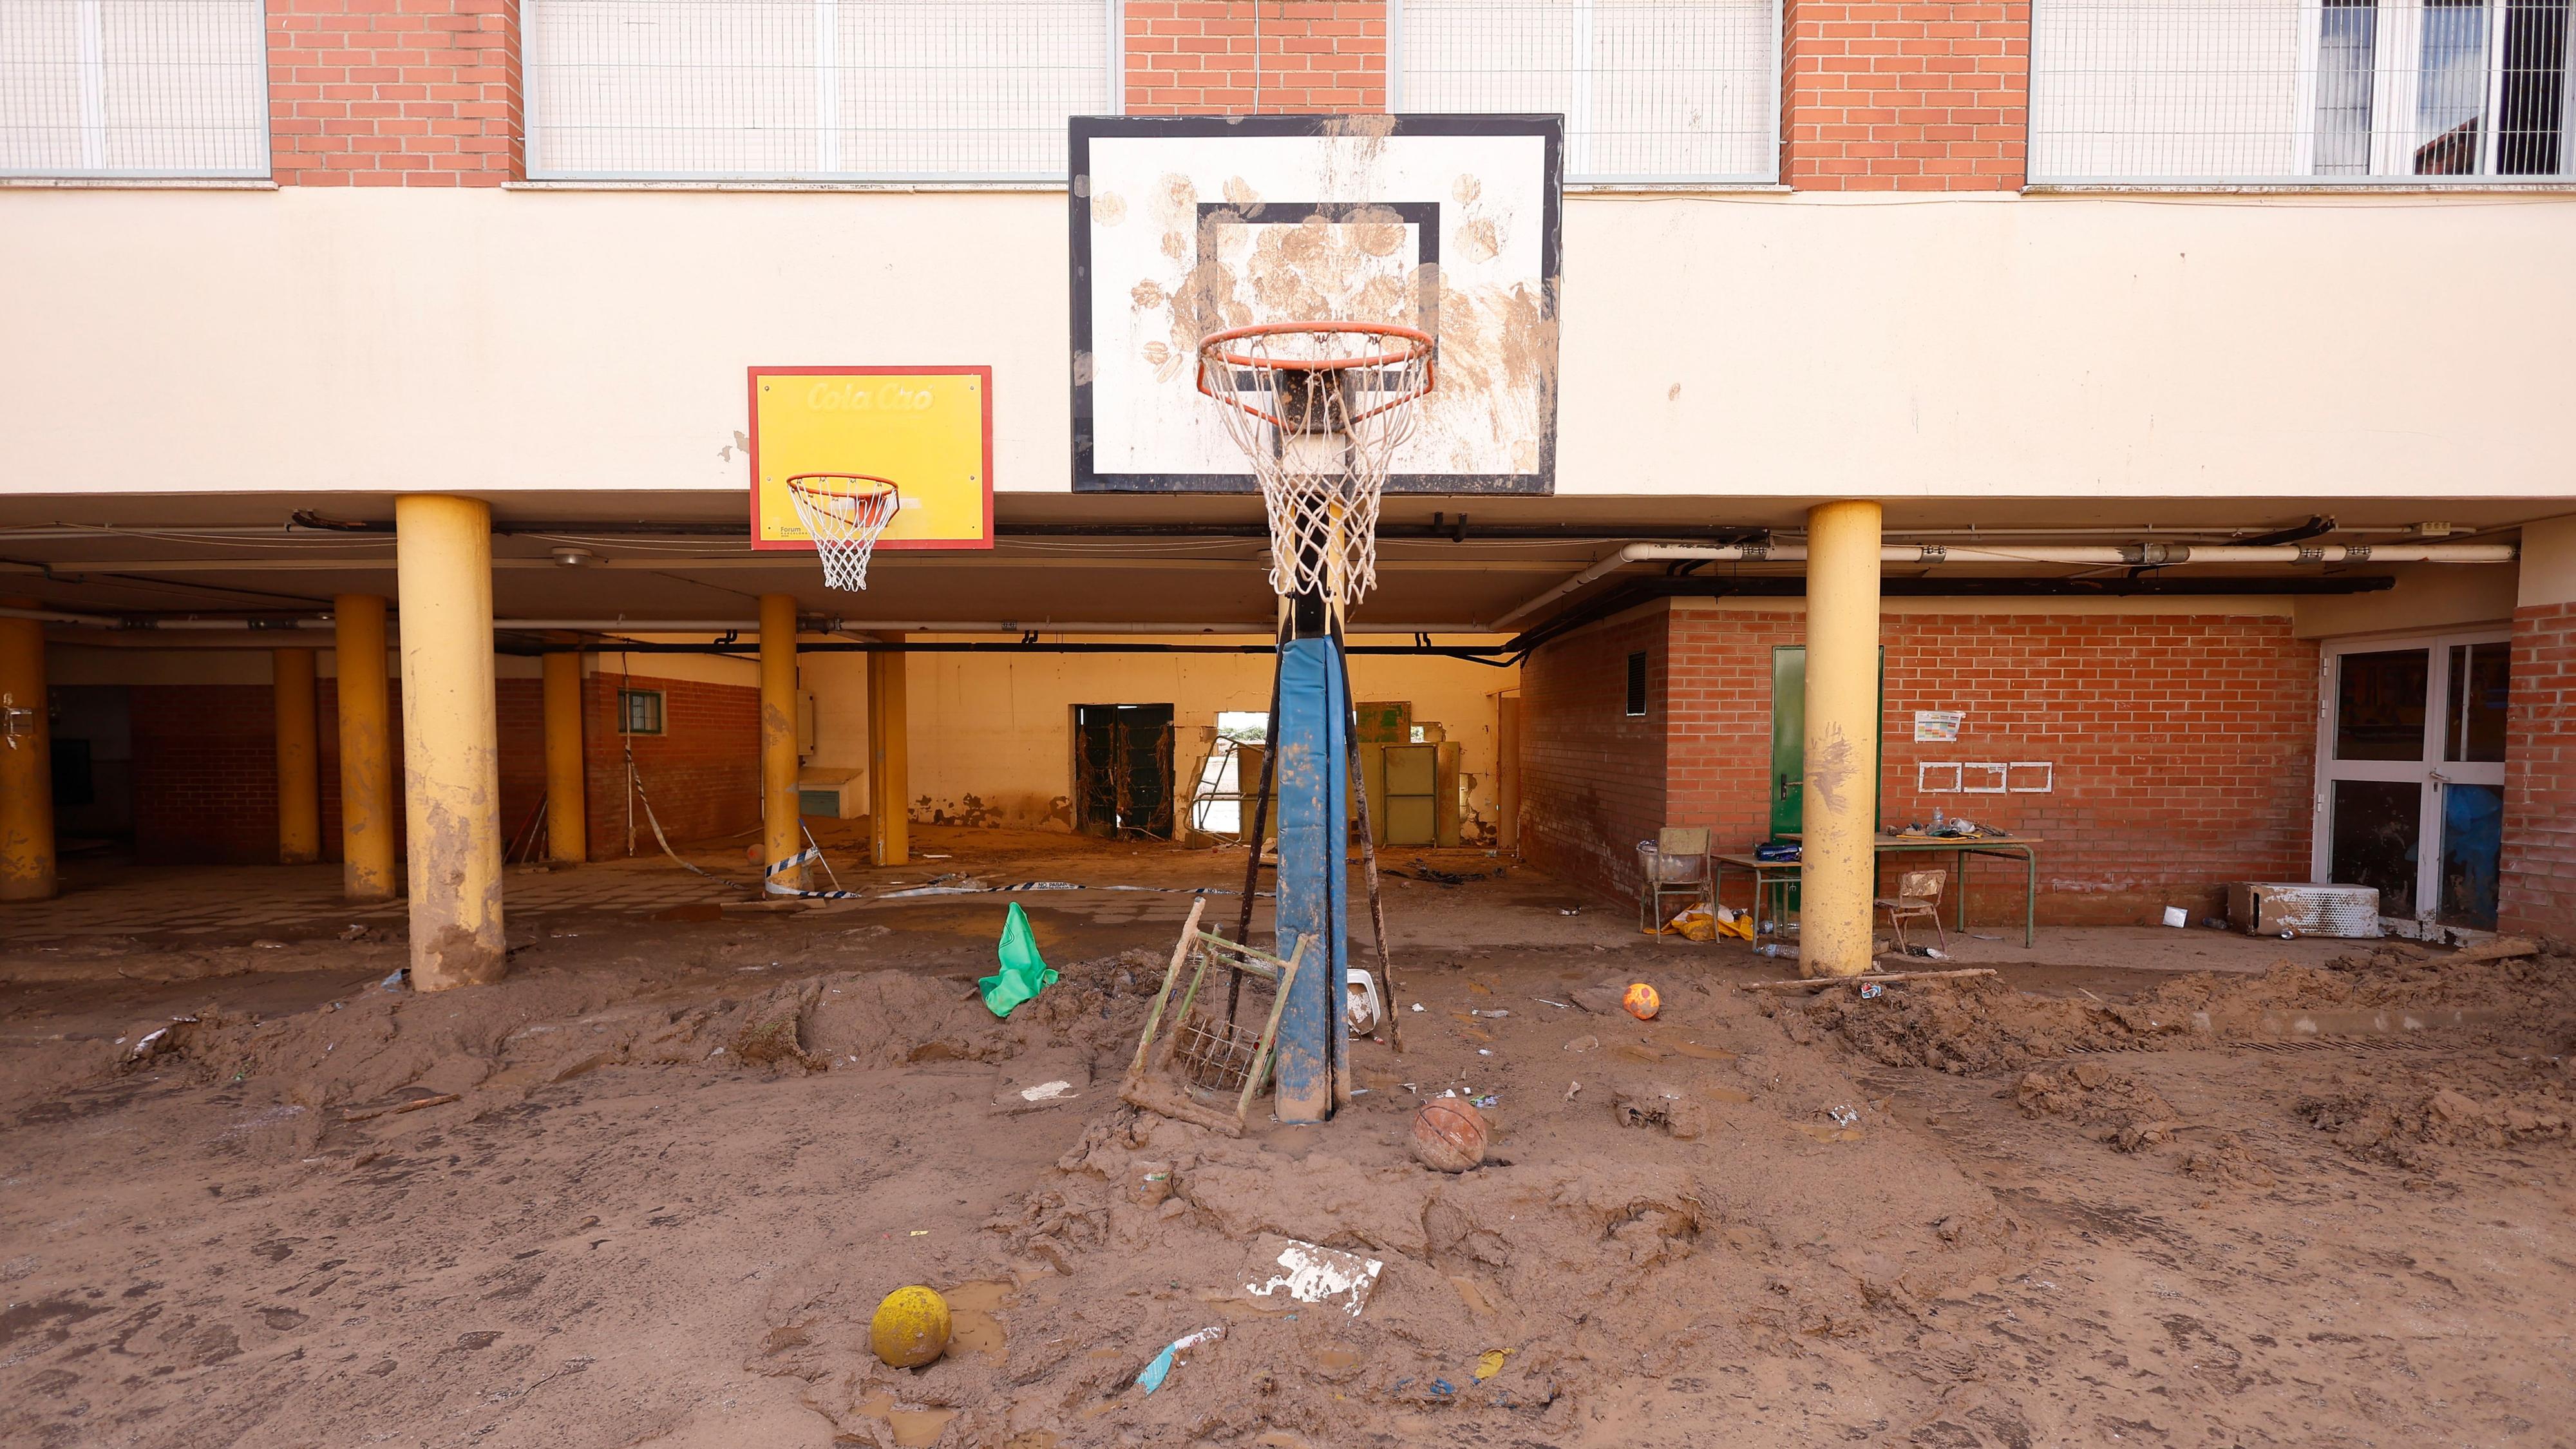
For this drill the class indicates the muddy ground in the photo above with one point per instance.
(685, 1157)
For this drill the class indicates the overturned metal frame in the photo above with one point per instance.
(1148, 1083)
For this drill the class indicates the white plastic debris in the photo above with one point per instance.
(1047, 1091)
(1843, 1116)
(1286, 1270)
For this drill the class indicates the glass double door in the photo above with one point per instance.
(2411, 774)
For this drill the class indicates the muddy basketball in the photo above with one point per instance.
(1449, 1134)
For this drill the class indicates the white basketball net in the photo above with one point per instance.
(844, 513)
(1319, 408)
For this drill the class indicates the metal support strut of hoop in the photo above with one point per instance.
(1319, 408)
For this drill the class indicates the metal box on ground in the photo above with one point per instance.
(2272, 908)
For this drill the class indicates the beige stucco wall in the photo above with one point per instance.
(992, 734)
(1748, 346)
(2426, 596)
(2548, 563)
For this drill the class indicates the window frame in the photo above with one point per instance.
(539, 173)
(91, 63)
(1579, 139)
(2394, 90)
(1639, 690)
(661, 713)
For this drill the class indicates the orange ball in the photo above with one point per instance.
(1641, 1001)
(1450, 1135)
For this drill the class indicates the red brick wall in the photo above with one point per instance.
(1592, 778)
(205, 773)
(394, 92)
(1915, 95)
(2538, 888)
(2183, 746)
(205, 768)
(1194, 57)
(702, 774)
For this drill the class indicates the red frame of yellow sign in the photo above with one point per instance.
(927, 429)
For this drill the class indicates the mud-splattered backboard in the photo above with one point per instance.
(1185, 225)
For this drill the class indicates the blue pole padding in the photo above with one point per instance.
(1314, 783)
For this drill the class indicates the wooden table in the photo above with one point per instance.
(1778, 875)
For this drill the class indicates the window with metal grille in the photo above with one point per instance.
(1636, 685)
(2333, 92)
(144, 88)
(1651, 90)
(812, 90)
(639, 711)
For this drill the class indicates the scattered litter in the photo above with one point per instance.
(1484, 1051)
(1308, 1273)
(266, 945)
(1570, 911)
(1417, 1006)
(928, 855)
(1843, 1116)
(396, 982)
(1470, 1013)
(1360, 1004)
(1490, 1099)
(1571, 1088)
(1559, 1005)
(1871, 990)
(1443, 1387)
(1047, 1091)
(1490, 1363)
(1024, 972)
(918, 1233)
(354, 933)
(1583, 1043)
(2177, 916)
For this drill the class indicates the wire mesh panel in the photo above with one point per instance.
(2406, 92)
(918, 90)
(108, 88)
(1651, 90)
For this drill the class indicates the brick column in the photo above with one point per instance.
(1915, 95)
(1234, 57)
(2537, 891)
(371, 93)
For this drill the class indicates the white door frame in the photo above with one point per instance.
(2432, 770)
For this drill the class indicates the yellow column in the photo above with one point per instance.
(26, 763)
(567, 820)
(366, 749)
(451, 753)
(1839, 869)
(299, 757)
(781, 830)
(889, 750)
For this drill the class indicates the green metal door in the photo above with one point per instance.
(1789, 736)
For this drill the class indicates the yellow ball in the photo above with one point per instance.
(910, 1328)
(1641, 1001)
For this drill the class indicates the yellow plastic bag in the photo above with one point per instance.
(1693, 924)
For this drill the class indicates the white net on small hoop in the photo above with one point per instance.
(1319, 408)
(844, 513)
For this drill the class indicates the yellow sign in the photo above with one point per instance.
(929, 431)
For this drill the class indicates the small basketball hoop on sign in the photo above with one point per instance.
(1319, 408)
(845, 513)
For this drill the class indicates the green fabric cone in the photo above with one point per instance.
(1024, 972)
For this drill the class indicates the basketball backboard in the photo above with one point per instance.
(1186, 225)
(928, 429)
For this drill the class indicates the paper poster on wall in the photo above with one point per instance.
(1938, 725)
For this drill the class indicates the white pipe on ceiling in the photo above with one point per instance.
(2148, 555)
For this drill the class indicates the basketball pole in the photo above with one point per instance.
(1313, 882)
